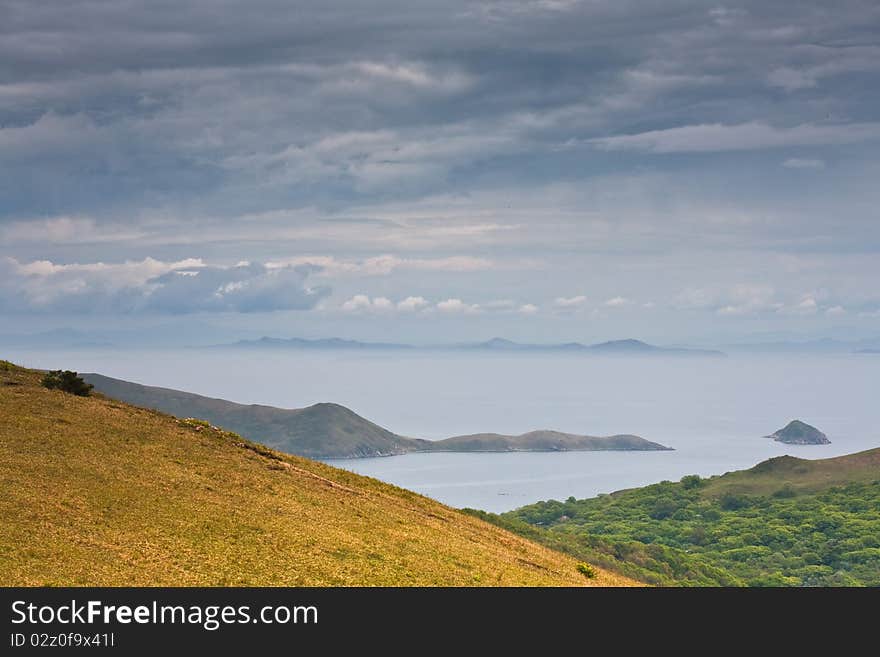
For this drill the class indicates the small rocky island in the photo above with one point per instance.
(800, 433)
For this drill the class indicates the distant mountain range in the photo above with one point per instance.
(204, 335)
(628, 346)
(614, 347)
(329, 430)
(319, 343)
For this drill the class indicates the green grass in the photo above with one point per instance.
(97, 492)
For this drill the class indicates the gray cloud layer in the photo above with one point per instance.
(109, 105)
(623, 148)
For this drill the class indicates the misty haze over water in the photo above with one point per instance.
(713, 411)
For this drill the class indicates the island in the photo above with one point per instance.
(542, 441)
(799, 433)
(332, 431)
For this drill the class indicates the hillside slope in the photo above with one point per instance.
(332, 431)
(785, 522)
(317, 431)
(97, 492)
(799, 475)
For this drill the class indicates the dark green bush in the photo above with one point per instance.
(733, 502)
(691, 481)
(67, 381)
(663, 508)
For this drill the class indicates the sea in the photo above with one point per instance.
(714, 412)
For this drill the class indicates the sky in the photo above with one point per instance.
(545, 170)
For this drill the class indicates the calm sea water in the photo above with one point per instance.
(714, 412)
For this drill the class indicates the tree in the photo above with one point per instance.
(67, 381)
(691, 481)
(663, 508)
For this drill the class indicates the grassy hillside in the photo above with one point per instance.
(333, 431)
(785, 522)
(799, 475)
(97, 492)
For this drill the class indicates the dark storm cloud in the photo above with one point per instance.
(232, 107)
(626, 147)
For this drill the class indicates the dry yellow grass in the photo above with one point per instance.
(96, 492)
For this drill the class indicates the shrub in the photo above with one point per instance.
(67, 381)
(785, 492)
(691, 481)
(663, 508)
(587, 570)
(734, 502)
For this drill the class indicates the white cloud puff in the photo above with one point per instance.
(570, 302)
(412, 304)
(457, 306)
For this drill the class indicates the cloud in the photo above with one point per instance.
(416, 74)
(386, 264)
(361, 303)
(457, 306)
(412, 304)
(617, 302)
(501, 304)
(570, 302)
(358, 303)
(66, 230)
(804, 163)
(154, 286)
(792, 79)
(419, 305)
(338, 104)
(743, 136)
(442, 146)
(806, 306)
(746, 299)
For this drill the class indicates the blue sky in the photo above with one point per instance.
(544, 170)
